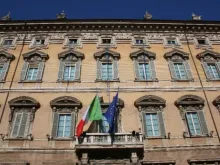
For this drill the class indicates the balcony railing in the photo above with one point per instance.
(100, 139)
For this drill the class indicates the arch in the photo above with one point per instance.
(216, 102)
(189, 100)
(136, 54)
(150, 100)
(65, 101)
(24, 101)
(30, 54)
(176, 54)
(100, 54)
(208, 54)
(5, 56)
(76, 54)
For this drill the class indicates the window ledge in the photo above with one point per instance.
(213, 79)
(18, 138)
(68, 81)
(31, 81)
(138, 80)
(2, 81)
(155, 137)
(182, 80)
(63, 139)
(197, 136)
(98, 80)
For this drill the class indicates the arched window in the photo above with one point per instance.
(211, 64)
(144, 67)
(151, 111)
(65, 111)
(5, 60)
(216, 103)
(70, 66)
(33, 67)
(191, 110)
(22, 114)
(107, 65)
(178, 65)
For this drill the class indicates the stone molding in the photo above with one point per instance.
(216, 103)
(10, 37)
(100, 54)
(208, 55)
(150, 100)
(76, 54)
(66, 101)
(5, 56)
(24, 101)
(189, 100)
(40, 46)
(176, 54)
(137, 55)
(29, 55)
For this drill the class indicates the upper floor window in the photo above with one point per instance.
(72, 41)
(151, 109)
(40, 42)
(70, 65)
(107, 65)
(8, 42)
(171, 42)
(211, 64)
(106, 40)
(144, 65)
(33, 66)
(22, 114)
(65, 110)
(202, 42)
(5, 60)
(178, 65)
(190, 107)
(139, 41)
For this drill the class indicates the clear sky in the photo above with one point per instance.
(134, 9)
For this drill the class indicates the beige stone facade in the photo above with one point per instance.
(131, 144)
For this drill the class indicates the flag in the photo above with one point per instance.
(110, 113)
(92, 113)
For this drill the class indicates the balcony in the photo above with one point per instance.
(105, 140)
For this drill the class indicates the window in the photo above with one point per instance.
(144, 71)
(139, 41)
(8, 42)
(171, 41)
(39, 41)
(1, 69)
(73, 41)
(152, 124)
(106, 41)
(201, 41)
(69, 72)
(193, 123)
(180, 71)
(64, 125)
(107, 73)
(32, 73)
(213, 71)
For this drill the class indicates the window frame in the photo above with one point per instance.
(177, 44)
(77, 45)
(143, 37)
(108, 79)
(59, 114)
(71, 66)
(208, 44)
(151, 113)
(110, 36)
(194, 128)
(12, 46)
(44, 37)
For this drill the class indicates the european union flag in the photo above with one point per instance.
(110, 114)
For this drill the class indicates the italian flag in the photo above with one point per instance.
(92, 113)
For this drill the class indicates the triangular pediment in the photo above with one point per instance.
(150, 100)
(74, 53)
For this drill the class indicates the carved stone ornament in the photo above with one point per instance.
(196, 17)
(110, 53)
(216, 103)
(61, 16)
(65, 102)
(147, 16)
(71, 55)
(208, 55)
(176, 55)
(35, 56)
(150, 101)
(24, 101)
(6, 17)
(5, 56)
(142, 55)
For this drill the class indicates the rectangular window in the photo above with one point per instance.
(152, 124)
(8, 42)
(32, 73)
(69, 73)
(139, 41)
(201, 41)
(213, 71)
(106, 41)
(107, 71)
(171, 41)
(39, 41)
(144, 71)
(180, 71)
(193, 123)
(64, 125)
(73, 41)
(1, 69)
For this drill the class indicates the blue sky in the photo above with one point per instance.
(160, 9)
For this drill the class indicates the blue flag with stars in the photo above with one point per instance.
(110, 114)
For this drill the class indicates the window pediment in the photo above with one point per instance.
(176, 55)
(141, 55)
(71, 55)
(150, 100)
(208, 55)
(5, 56)
(106, 105)
(24, 101)
(35, 56)
(104, 55)
(190, 100)
(66, 101)
(216, 102)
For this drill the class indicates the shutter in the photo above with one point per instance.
(40, 70)
(24, 71)
(17, 120)
(136, 69)
(77, 69)
(161, 124)
(153, 70)
(206, 69)
(172, 70)
(72, 127)
(4, 71)
(99, 70)
(218, 66)
(23, 126)
(188, 70)
(61, 70)
(144, 123)
(115, 69)
(55, 124)
(203, 123)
